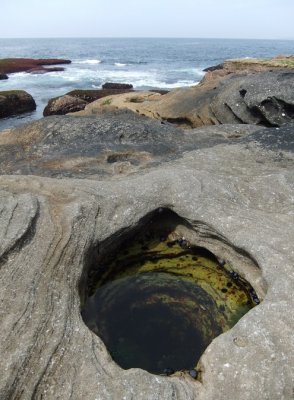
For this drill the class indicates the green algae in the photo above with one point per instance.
(158, 301)
(107, 102)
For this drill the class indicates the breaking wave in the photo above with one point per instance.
(90, 62)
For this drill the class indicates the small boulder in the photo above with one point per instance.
(3, 76)
(63, 105)
(14, 102)
(113, 85)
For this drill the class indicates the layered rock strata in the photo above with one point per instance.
(234, 186)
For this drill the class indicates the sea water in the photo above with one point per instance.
(145, 63)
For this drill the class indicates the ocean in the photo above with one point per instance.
(145, 63)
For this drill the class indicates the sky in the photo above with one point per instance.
(260, 19)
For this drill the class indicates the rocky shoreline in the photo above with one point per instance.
(218, 160)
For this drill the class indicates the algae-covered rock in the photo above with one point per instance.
(15, 102)
(160, 301)
(11, 65)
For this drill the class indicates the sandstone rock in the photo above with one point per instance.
(139, 102)
(264, 98)
(15, 102)
(3, 76)
(113, 85)
(236, 192)
(248, 66)
(11, 65)
(63, 105)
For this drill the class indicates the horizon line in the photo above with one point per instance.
(146, 37)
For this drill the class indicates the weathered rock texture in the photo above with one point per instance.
(236, 191)
(88, 147)
(264, 98)
(11, 65)
(15, 102)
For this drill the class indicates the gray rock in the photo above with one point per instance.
(238, 195)
(119, 142)
(3, 76)
(265, 98)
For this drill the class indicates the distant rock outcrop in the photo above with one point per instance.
(11, 65)
(248, 66)
(15, 102)
(114, 85)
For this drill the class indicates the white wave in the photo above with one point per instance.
(194, 71)
(120, 64)
(91, 62)
(162, 85)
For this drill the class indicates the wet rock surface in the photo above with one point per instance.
(3, 76)
(234, 187)
(15, 102)
(157, 301)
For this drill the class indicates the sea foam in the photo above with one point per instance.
(91, 62)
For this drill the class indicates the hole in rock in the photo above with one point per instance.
(157, 300)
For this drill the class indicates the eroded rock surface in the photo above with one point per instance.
(264, 98)
(236, 192)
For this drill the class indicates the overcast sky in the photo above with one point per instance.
(268, 19)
